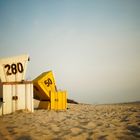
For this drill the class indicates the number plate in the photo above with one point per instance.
(14, 68)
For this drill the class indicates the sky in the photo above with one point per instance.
(92, 46)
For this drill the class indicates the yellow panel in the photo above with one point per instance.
(61, 100)
(43, 84)
(58, 101)
(44, 105)
(52, 99)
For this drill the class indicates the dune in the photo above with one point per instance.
(78, 122)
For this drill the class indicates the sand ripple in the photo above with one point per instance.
(80, 121)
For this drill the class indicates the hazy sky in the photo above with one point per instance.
(92, 46)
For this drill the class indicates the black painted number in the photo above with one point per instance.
(20, 67)
(7, 66)
(48, 82)
(14, 68)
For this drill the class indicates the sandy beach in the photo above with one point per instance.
(78, 122)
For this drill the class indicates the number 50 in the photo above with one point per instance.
(14, 68)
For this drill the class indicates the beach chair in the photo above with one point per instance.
(46, 91)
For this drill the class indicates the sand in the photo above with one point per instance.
(78, 122)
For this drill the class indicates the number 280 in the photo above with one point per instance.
(14, 68)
